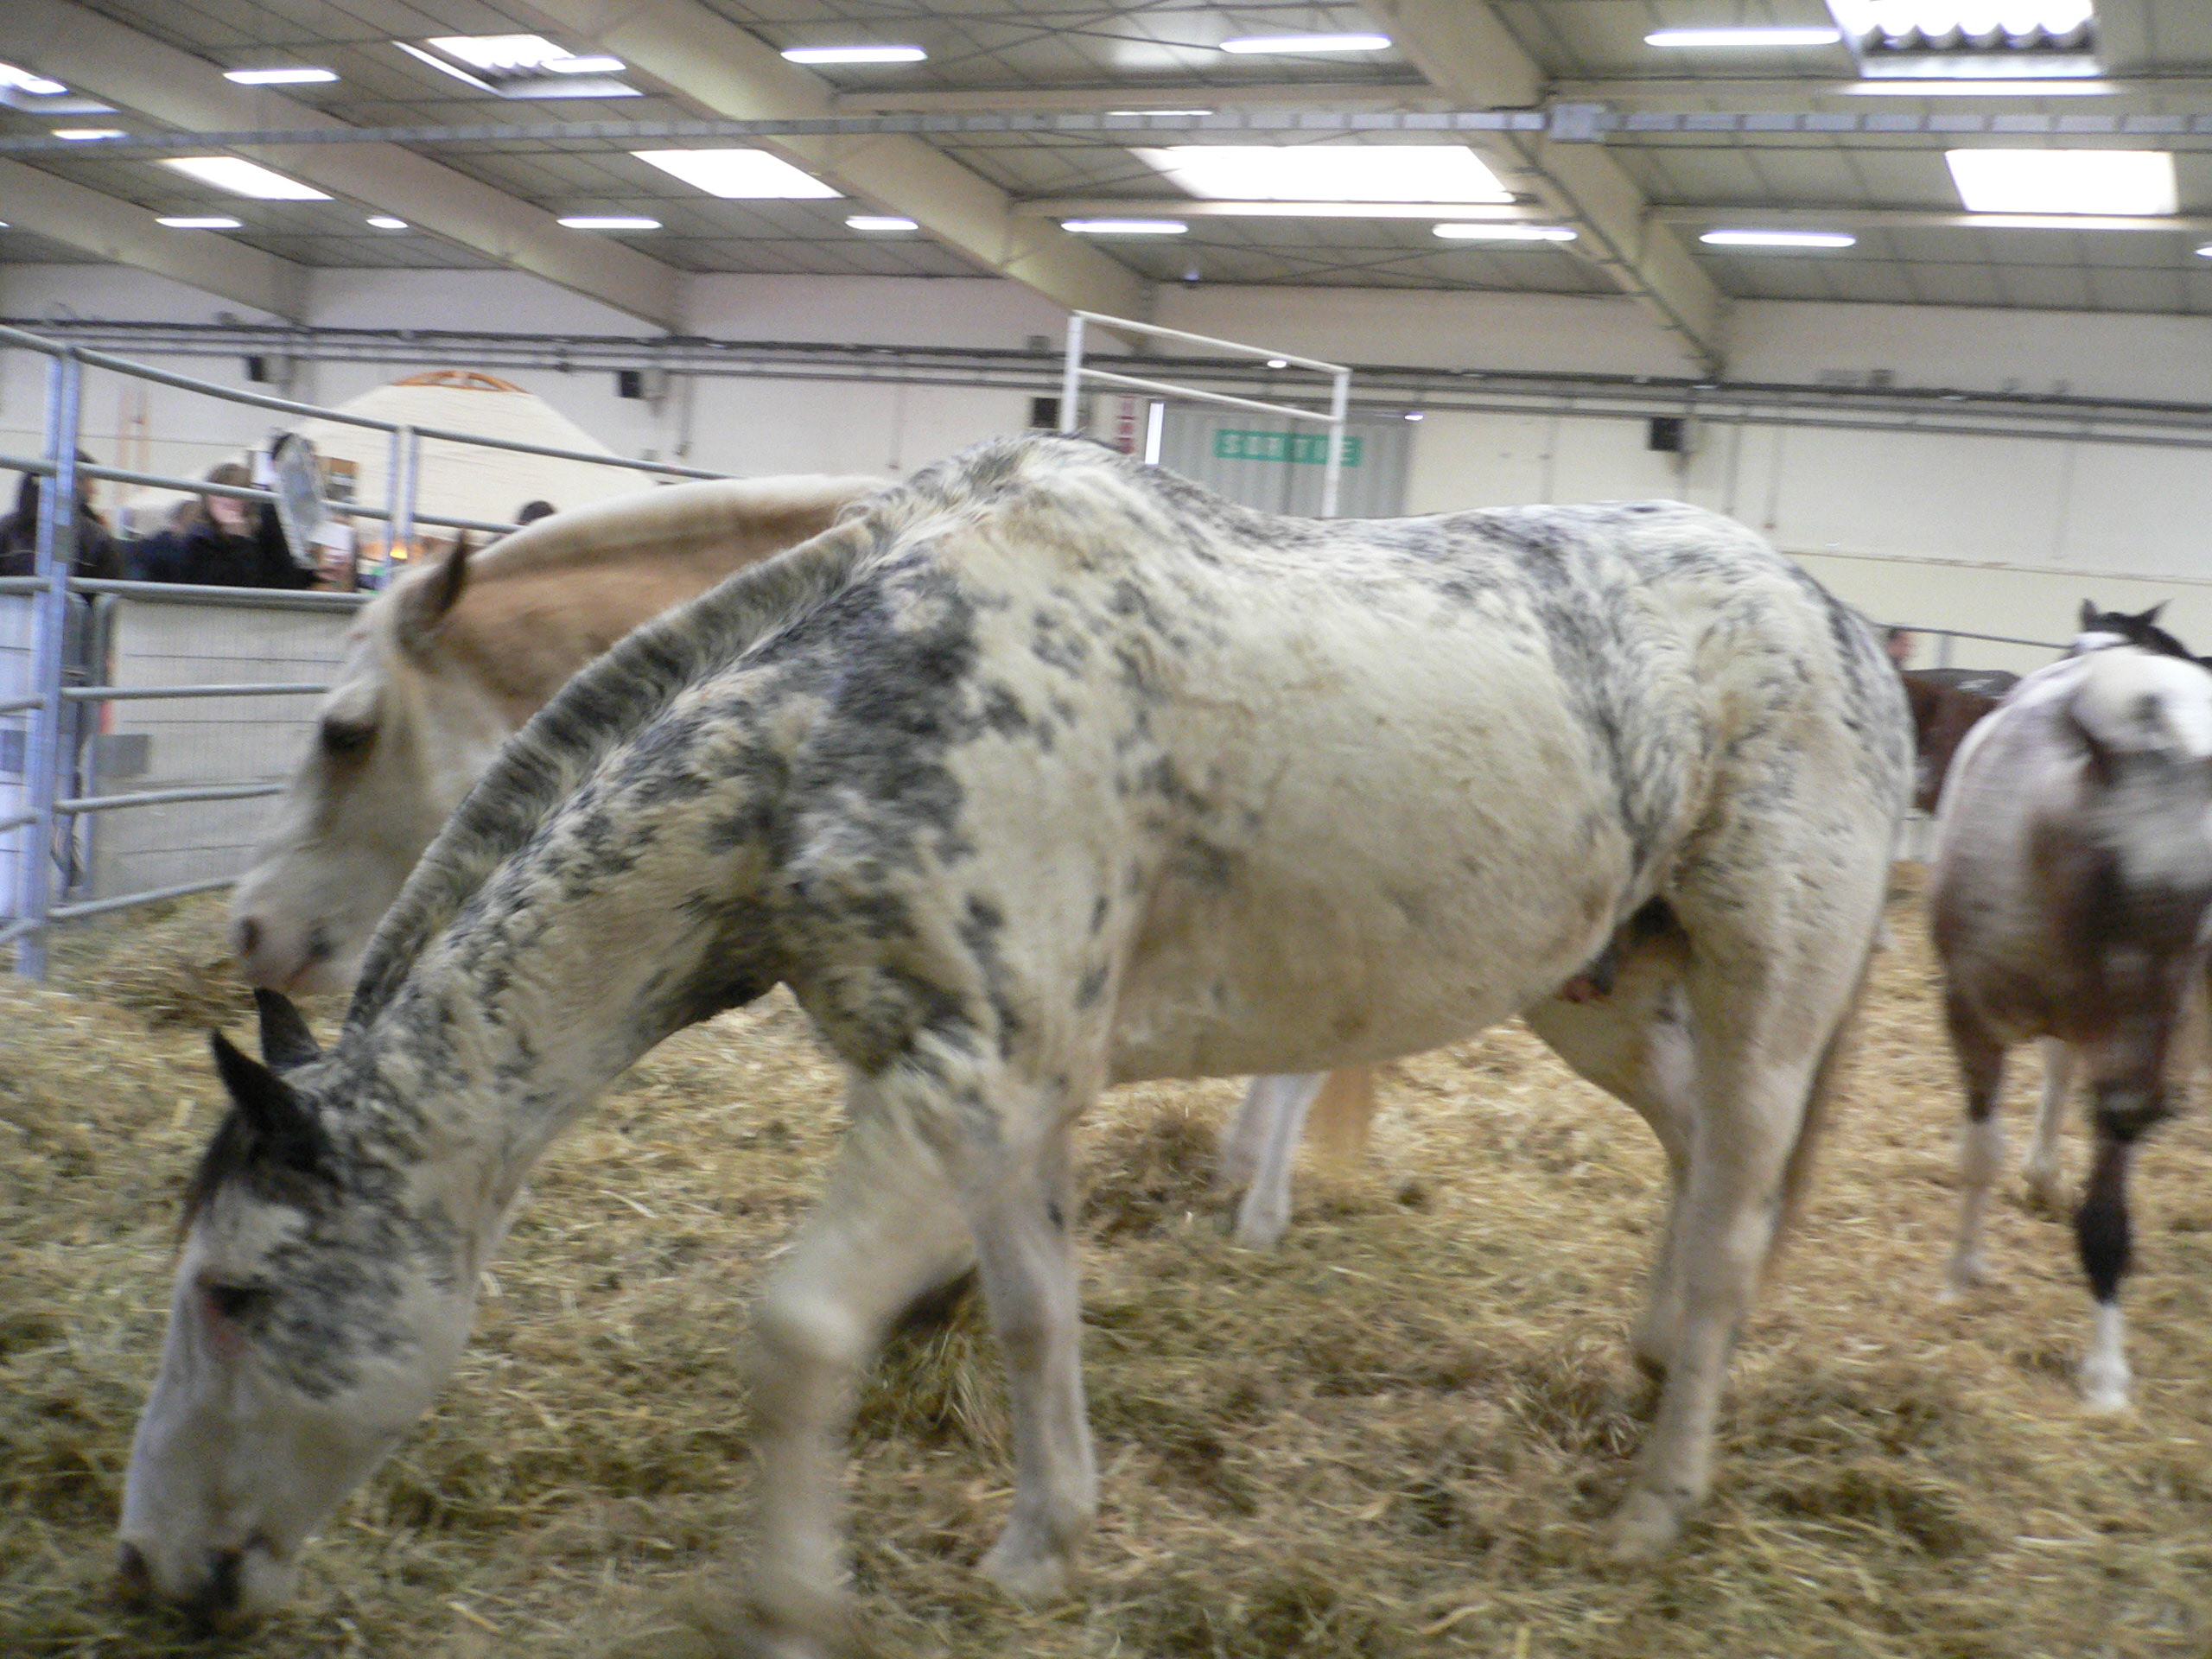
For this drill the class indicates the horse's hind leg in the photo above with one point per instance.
(1981, 1144)
(2043, 1173)
(1635, 1044)
(1770, 997)
(886, 1229)
(2101, 1232)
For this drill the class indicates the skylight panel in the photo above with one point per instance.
(2113, 183)
(1450, 173)
(738, 174)
(522, 65)
(1971, 39)
(502, 54)
(244, 178)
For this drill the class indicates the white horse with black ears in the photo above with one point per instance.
(1042, 773)
(2072, 901)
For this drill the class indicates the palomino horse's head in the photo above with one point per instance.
(319, 1307)
(398, 740)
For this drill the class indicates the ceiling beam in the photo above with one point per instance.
(2104, 95)
(136, 71)
(1469, 55)
(1196, 207)
(1330, 95)
(108, 229)
(1749, 216)
(721, 69)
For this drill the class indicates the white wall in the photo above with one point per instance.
(1999, 535)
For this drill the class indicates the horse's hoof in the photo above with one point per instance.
(2046, 1192)
(2103, 1396)
(1258, 1231)
(1024, 1570)
(1966, 1275)
(1644, 1528)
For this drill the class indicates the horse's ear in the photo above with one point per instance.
(283, 1131)
(425, 604)
(2151, 615)
(2088, 614)
(285, 1040)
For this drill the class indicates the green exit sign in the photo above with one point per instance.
(1311, 448)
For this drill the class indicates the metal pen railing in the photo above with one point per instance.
(1075, 372)
(48, 705)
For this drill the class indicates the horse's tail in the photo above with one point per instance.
(1797, 1172)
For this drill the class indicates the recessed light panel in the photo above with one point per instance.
(1125, 226)
(1779, 239)
(244, 178)
(302, 76)
(738, 174)
(2105, 181)
(1328, 173)
(856, 55)
(1694, 38)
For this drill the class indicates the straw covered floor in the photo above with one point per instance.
(1395, 1435)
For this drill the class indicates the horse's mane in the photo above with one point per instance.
(602, 706)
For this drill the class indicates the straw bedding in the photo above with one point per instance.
(1395, 1435)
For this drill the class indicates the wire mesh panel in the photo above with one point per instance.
(144, 746)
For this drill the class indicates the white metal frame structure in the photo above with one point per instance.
(1074, 373)
(49, 803)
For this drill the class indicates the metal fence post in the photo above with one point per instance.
(44, 759)
(1071, 375)
(1332, 469)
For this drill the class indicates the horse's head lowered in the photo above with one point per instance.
(319, 1307)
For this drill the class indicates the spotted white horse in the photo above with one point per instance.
(2071, 900)
(1040, 773)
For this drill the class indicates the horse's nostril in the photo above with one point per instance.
(249, 936)
(133, 1576)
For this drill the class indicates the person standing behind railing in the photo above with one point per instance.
(96, 549)
(221, 542)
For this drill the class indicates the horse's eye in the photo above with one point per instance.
(237, 1303)
(341, 737)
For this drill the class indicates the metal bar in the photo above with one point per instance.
(123, 475)
(666, 468)
(17, 705)
(24, 929)
(399, 497)
(1071, 374)
(186, 383)
(1171, 391)
(17, 822)
(251, 598)
(1333, 465)
(155, 693)
(1208, 340)
(168, 796)
(101, 907)
(57, 552)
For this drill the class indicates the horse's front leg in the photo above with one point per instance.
(1026, 1256)
(2045, 1178)
(887, 1228)
(1981, 1142)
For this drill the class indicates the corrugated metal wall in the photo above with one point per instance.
(1276, 465)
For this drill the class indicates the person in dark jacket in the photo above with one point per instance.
(221, 542)
(96, 549)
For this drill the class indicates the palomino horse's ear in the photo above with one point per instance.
(285, 1040)
(425, 604)
(283, 1129)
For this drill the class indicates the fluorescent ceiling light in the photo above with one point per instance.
(2115, 182)
(1278, 362)
(880, 222)
(609, 222)
(244, 178)
(24, 81)
(386, 222)
(738, 174)
(200, 222)
(1160, 111)
(1416, 414)
(1125, 226)
(1295, 43)
(1779, 239)
(856, 55)
(502, 54)
(1328, 173)
(1503, 232)
(1984, 87)
(85, 134)
(600, 65)
(1692, 38)
(297, 77)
